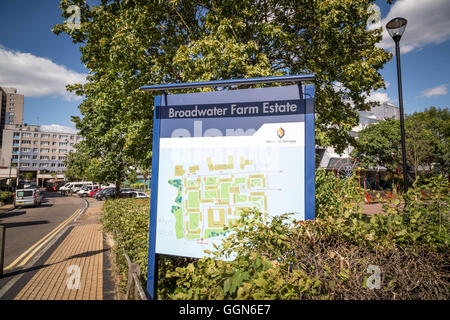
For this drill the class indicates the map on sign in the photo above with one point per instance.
(205, 183)
(209, 200)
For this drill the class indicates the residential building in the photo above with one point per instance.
(30, 149)
(328, 157)
(11, 111)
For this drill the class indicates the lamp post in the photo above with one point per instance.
(395, 28)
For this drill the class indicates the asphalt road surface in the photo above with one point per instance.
(26, 226)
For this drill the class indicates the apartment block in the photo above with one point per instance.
(30, 149)
(11, 111)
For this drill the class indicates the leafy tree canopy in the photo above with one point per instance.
(127, 44)
(427, 142)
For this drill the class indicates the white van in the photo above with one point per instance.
(75, 186)
(27, 197)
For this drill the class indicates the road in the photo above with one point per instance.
(25, 227)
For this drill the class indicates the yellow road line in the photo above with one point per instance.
(40, 243)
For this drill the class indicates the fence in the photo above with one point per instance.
(134, 287)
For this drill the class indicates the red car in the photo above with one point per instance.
(92, 192)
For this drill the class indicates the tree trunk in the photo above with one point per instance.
(117, 189)
(145, 181)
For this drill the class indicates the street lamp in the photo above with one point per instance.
(395, 28)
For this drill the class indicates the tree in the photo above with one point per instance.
(437, 122)
(127, 44)
(378, 145)
(421, 144)
(427, 142)
(76, 164)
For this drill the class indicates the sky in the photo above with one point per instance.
(40, 64)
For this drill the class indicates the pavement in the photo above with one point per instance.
(75, 267)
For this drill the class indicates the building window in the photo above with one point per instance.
(44, 165)
(26, 134)
(62, 151)
(25, 157)
(25, 149)
(45, 143)
(45, 136)
(62, 158)
(24, 164)
(53, 165)
(62, 144)
(45, 150)
(61, 165)
(35, 150)
(63, 137)
(26, 141)
(44, 157)
(53, 150)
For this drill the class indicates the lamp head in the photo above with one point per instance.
(396, 27)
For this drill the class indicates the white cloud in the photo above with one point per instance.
(436, 91)
(57, 128)
(374, 96)
(35, 76)
(428, 22)
(378, 96)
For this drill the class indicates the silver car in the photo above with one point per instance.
(27, 197)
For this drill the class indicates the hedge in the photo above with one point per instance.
(332, 257)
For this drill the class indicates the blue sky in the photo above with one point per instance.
(40, 63)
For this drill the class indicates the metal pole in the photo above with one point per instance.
(2, 248)
(10, 165)
(402, 123)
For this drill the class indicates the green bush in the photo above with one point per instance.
(327, 258)
(128, 220)
(6, 196)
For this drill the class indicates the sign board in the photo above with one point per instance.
(217, 153)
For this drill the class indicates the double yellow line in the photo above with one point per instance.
(31, 251)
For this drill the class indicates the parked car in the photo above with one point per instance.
(84, 191)
(93, 192)
(124, 193)
(110, 193)
(100, 194)
(27, 197)
(138, 194)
